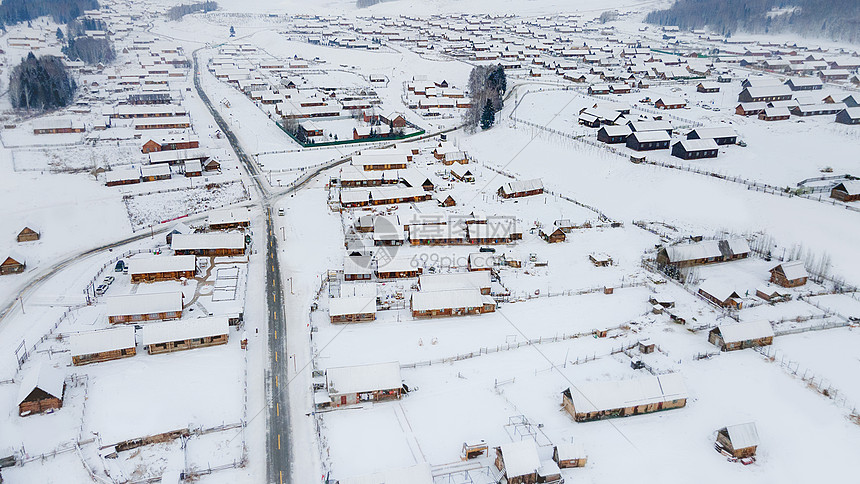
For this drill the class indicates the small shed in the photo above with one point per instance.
(739, 440)
(518, 461)
(789, 274)
(738, 336)
(600, 259)
(569, 455)
(552, 234)
(14, 264)
(848, 191)
(720, 294)
(27, 235)
(41, 391)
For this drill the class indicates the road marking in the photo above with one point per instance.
(282, 476)
(279, 441)
(278, 409)
(276, 357)
(276, 381)
(276, 334)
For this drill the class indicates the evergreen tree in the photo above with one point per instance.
(489, 115)
(40, 83)
(59, 34)
(232, 31)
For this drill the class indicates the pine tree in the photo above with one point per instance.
(59, 34)
(232, 31)
(489, 115)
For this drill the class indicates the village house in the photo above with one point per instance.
(518, 461)
(352, 309)
(765, 94)
(102, 345)
(27, 235)
(720, 294)
(229, 219)
(41, 390)
(772, 294)
(14, 264)
(705, 252)
(552, 234)
(397, 268)
(209, 244)
(789, 274)
(162, 268)
(192, 168)
(750, 109)
(569, 455)
(722, 135)
(740, 441)
(804, 83)
(58, 126)
(456, 281)
(738, 336)
(608, 399)
(150, 173)
(707, 87)
(670, 103)
(126, 176)
(135, 308)
(600, 259)
(163, 122)
(525, 188)
(350, 385)
(613, 134)
(462, 173)
(463, 302)
(694, 149)
(178, 156)
(774, 114)
(848, 191)
(185, 335)
(849, 116)
(648, 140)
(818, 109)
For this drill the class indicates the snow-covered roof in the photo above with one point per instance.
(608, 395)
(230, 240)
(718, 289)
(793, 269)
(358, 264)
(650, 125)
(363, 378)
(155, 170)
(455, 281)
(230, 216)
(612, 130)
(174, 156)
(523, 185)
(569, 451)
(343, 306)
(150, 265)
(651, 136)
(161, 302)
(397, 264)
(521, 458)
(438, 300)
(698, 144)
(735, 333)
(48, 379)
(851, 187)
(122, 175)
(548, 468)
(184, 330)
(91, 342)
(715, 132)
(743, 435)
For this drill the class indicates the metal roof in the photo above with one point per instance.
(184, 330)
(91, 342)
(151, 265)
(144, 303)
(363, 378)
(609, 395)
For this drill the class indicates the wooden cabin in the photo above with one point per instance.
(27, 235)
(209, 244)
(185, 334)
(738, 336)
(609, 399)
(352, 309)
(848, 191)
(229, 219)
(358, 268)
(518, 461)
(445, 303)
(41, 391)
(789, 274)
(741, 440)
(349, 385)
(552, 236)
(776, 92)
(569, 455)
(162, 268)
(774, 114)
(456, 281)
(773, 294)
(102, 345)
(600, 259)
(12, 265)
(525, 188)
(720, 295)
(133, 308)
(704, 252)
(669, 103)
(750, 109)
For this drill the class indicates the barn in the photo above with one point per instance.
(848, 191)
(14, 264)
(41, 390)
(349, 385)
(209, 244)
(720, 294)
(568, 455)
(162, 268)
(27, 235)
(648, 140)
(352, 309)
(134, 308)
(608, 399)
(613, 134)
(185, 335)
(463, 302)
(102, 345)
(848, 116)
(722, 135)
(737, 336)
(524, 188)
(518, 461)
(789, 274)
(741, 440)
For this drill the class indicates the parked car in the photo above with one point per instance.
(120, 266)
(101, 289)
(108, 280)
(487, 249)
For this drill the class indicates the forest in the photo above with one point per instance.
(41, 83)
(61, 11)
(88, 49)
(487, 85)
(179, 11)
(828, 19)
